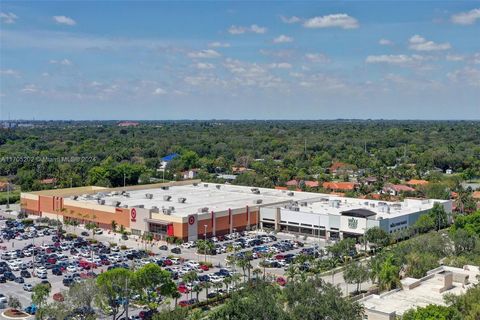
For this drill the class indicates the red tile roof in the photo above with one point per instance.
(400, 188)
(476, 195)
(337, 165)
(48, 181)
(292, 183)
(415, 182)
(312, 184)
(280, 188)
(339, 185)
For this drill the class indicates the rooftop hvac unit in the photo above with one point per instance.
(257, 201)
(171, 208)
(295, 209)
(203, 210)
(155, 209)
(182, 200)
(290, 194)
(125, 206)
(167, 211)
(195, 184)
(101, 201)
(205, 185)
(140, 206)
(165, 188)
(218, 186)
(116, 193)
(116, 203)
(123, 192)
(167, 198)
(75, 197)
(149, 196)
(126, 195)
(303, 203)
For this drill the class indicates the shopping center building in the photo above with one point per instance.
(191, 209)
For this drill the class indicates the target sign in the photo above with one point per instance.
(133, 215)
(191, 220)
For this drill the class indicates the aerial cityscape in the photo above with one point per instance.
(240, 160)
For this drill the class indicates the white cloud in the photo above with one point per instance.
(419, 43)
(64, 62)
(385, 42)
(454, 57)
(159, 92)
(204, 66)
(290, 20)
(256, 29)
(466, 18)
(339, 20)
(399, 59)
(8, 17)
(317, 57)
(280, 65)
(468, 75)
(204, 54)
(282, 39)
(9, 72)
(476, 58)
(64, 20)
(219, 44)
(29, 88)
(240, 30)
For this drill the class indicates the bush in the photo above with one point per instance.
(14, 303)
(113, 244)
(71, 235)
(123, 247)
(208, 264)
(92, 240)
(27, 222)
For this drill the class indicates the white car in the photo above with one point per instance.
(215, 279)
(27, 287)
(72, 269)
(189, 244)
(40, 270)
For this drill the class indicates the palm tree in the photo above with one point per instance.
(190, 277)
(227, 281)
(114, 225)
(265, 256)
(197, 289)
(389, 275)
(256, 273)
(235, 278)
(175, 295)
(218, 285)
(207, 285)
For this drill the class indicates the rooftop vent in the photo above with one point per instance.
(75, 197)
(101, 201)
(140, 206)
(205, 185)
(167, 211)
(167, 198)
(195, 184)
(255, 191)
(257, 201)
(165, 188)
(295, 209)
(116, 203)
(171, 208)
(290, 194)
(125, 206)
(218, 186)
(303, 203)
(149, 196)
(182, 200)
(203, 210)
(155, 209)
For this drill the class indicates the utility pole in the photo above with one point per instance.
(126, 298)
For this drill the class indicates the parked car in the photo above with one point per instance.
(176, 250)
(27, 287)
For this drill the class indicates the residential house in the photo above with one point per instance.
(5, 186)
(341, 168)
(48, 181)
(190, 174)
(396, 189)
(416, 183)
(339, 186)
(239, 169)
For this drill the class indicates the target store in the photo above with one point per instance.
(186, 209)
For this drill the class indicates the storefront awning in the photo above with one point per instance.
(161, 222)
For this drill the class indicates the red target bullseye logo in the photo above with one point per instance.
(133, 215)
(191, 220)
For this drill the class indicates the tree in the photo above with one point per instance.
(82, 295)
(114, 289)
(175, 295)
(355, 273)
(14, 302)
(377, 236)
(432, 312)
(40, 293)
(439, 216)
(418, 263)
(151, 281)
(175, 314)
(463, 241)
(114, 225)
(190, 277)
(424, 224)
(388, 276)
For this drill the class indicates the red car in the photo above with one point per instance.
(52, 260)
(182, 288)
(281, 281)
(280, 257)
(183, 303)
(204, 267)
(167, 262)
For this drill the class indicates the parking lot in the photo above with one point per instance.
(36, 251)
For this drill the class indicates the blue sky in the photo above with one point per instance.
(240, 60)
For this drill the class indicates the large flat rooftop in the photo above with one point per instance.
(329, 204)
(424, 291)
(204, 195)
